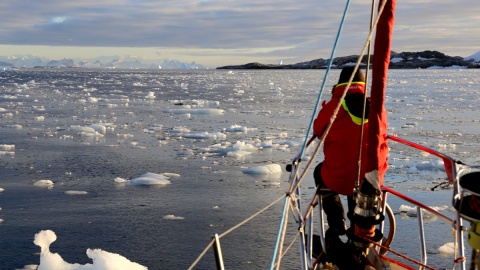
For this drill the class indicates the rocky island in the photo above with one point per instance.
(404, 60)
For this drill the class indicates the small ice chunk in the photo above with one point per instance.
(43, 183)
(206, 135)
(436, 165)
(151, 95)
(79, 129)
(120, 180)
(197, 111)
(172, 217)
(75, 192)
(447, 250)
(236, 128)
(99, 128)
(7, 147)
(149, 179)
(266, 169)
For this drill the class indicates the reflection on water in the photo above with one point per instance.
(82, 129)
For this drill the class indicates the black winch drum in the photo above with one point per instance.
(470, 184)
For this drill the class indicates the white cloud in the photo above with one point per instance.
(262, 30)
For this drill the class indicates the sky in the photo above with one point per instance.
(228, 32)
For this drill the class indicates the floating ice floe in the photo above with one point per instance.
(156, 128)
(447, 250)
(237, 128)
(43, 183)
(444, 147)
(265, 169)
(7, 149)
(171, 174)
(148, 179)
(410, 125)
(75, 192)
(102, 129)
(86, 131)
(38, 108)
(197, 111)
(120, 180)
(151, 95)
(185, 152)
(101, 259)
(172, 217)
(436, 165)
(113, 103)
(206, 135)
(39, 118)
(180, 130)
(239, 149)
(427, 216)
(15, 126)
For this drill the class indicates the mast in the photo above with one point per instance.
(368, 211)
(377, 119)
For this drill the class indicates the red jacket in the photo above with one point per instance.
(341, 146)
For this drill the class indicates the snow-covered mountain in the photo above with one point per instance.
(122, 62)
(475, 57)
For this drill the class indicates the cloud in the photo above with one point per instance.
(287, 29)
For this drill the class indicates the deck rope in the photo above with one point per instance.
(251, 217)
(232, 229)
(397, 253)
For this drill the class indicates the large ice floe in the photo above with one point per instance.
(100, 259)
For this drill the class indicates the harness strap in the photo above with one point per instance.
(357, 120)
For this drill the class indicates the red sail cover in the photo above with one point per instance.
(377, 119)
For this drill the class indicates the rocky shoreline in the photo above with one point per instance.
(404, 60)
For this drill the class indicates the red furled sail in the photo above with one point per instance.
(377, 119)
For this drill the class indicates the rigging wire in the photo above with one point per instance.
(367, 71)
(327, 71)
(295, 184)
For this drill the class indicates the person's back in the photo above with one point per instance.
(341, 147)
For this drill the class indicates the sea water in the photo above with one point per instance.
(150, 165)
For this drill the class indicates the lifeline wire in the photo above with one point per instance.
(329, 65)
(331, 120)
(282, 222)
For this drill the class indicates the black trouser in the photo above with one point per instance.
(332, 205)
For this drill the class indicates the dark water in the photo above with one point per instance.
(211, 194)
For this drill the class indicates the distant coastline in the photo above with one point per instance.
(404, 60)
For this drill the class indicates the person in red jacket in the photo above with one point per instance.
(339, 170)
